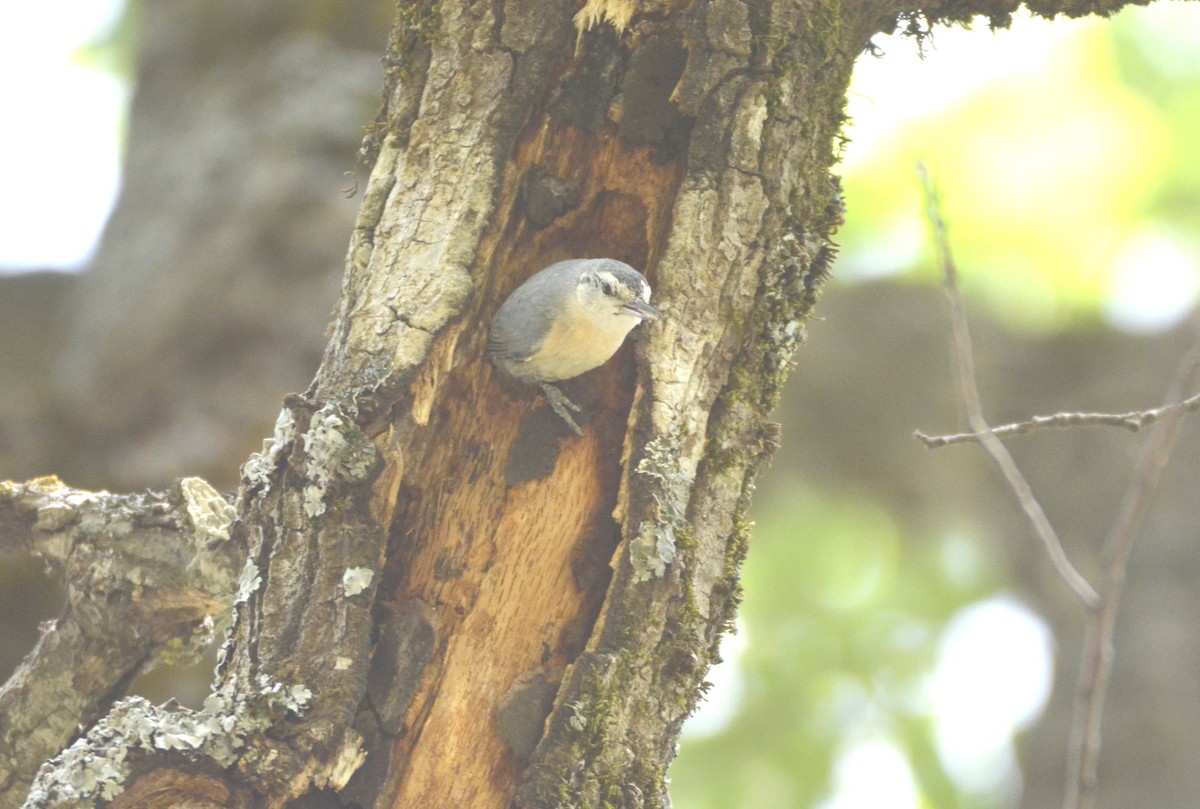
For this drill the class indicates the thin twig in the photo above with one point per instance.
(1096, 666)
(969, 391)
(1133, 421)
(1097, 659)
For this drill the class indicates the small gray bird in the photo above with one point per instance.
(567, 319)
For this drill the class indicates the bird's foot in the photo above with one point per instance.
(562, 405)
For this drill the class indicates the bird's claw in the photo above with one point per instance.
(562, 406)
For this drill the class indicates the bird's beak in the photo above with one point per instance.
(643, 310)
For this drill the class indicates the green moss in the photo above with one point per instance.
(417, 27)
(685, 538)
(739, 539)
(691, 610)
(589, 729)
(735, 554)
(615, 781)
(794, 274)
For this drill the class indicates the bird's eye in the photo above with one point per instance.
(607, 287)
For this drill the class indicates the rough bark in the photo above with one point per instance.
(448, 601)
(149, 574)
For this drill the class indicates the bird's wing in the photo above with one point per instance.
(522, 337)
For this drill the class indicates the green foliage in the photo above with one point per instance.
(840, 619)
(1079, 143)
(112, 51)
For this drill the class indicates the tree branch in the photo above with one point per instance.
(968, 390)
(147, 574)
(1097, 660)
(1133, 421)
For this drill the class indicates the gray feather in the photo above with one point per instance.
(523, 320)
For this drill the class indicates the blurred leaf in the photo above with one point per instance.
(1045, 174)
(841, 619)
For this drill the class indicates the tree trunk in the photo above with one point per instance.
(448, 599)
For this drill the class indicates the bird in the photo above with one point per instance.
(566, 320)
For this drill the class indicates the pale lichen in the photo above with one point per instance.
(350, 756)
(618, 13)
(215, 559)
(314, 500)
(210, 513)
(356, 579)
(101, 514)
(257, 470)
(336, 450)
(56, 515)
(248, 582)
(655, 544)
(95, 766)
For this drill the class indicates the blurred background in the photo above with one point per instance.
(169, 173)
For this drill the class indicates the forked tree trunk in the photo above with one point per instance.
(450, 601)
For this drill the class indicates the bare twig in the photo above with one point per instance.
(969, 391)
(1097, 658)
(1133, 421)
(1096, 666)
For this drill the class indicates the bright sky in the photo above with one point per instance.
(63, 121)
